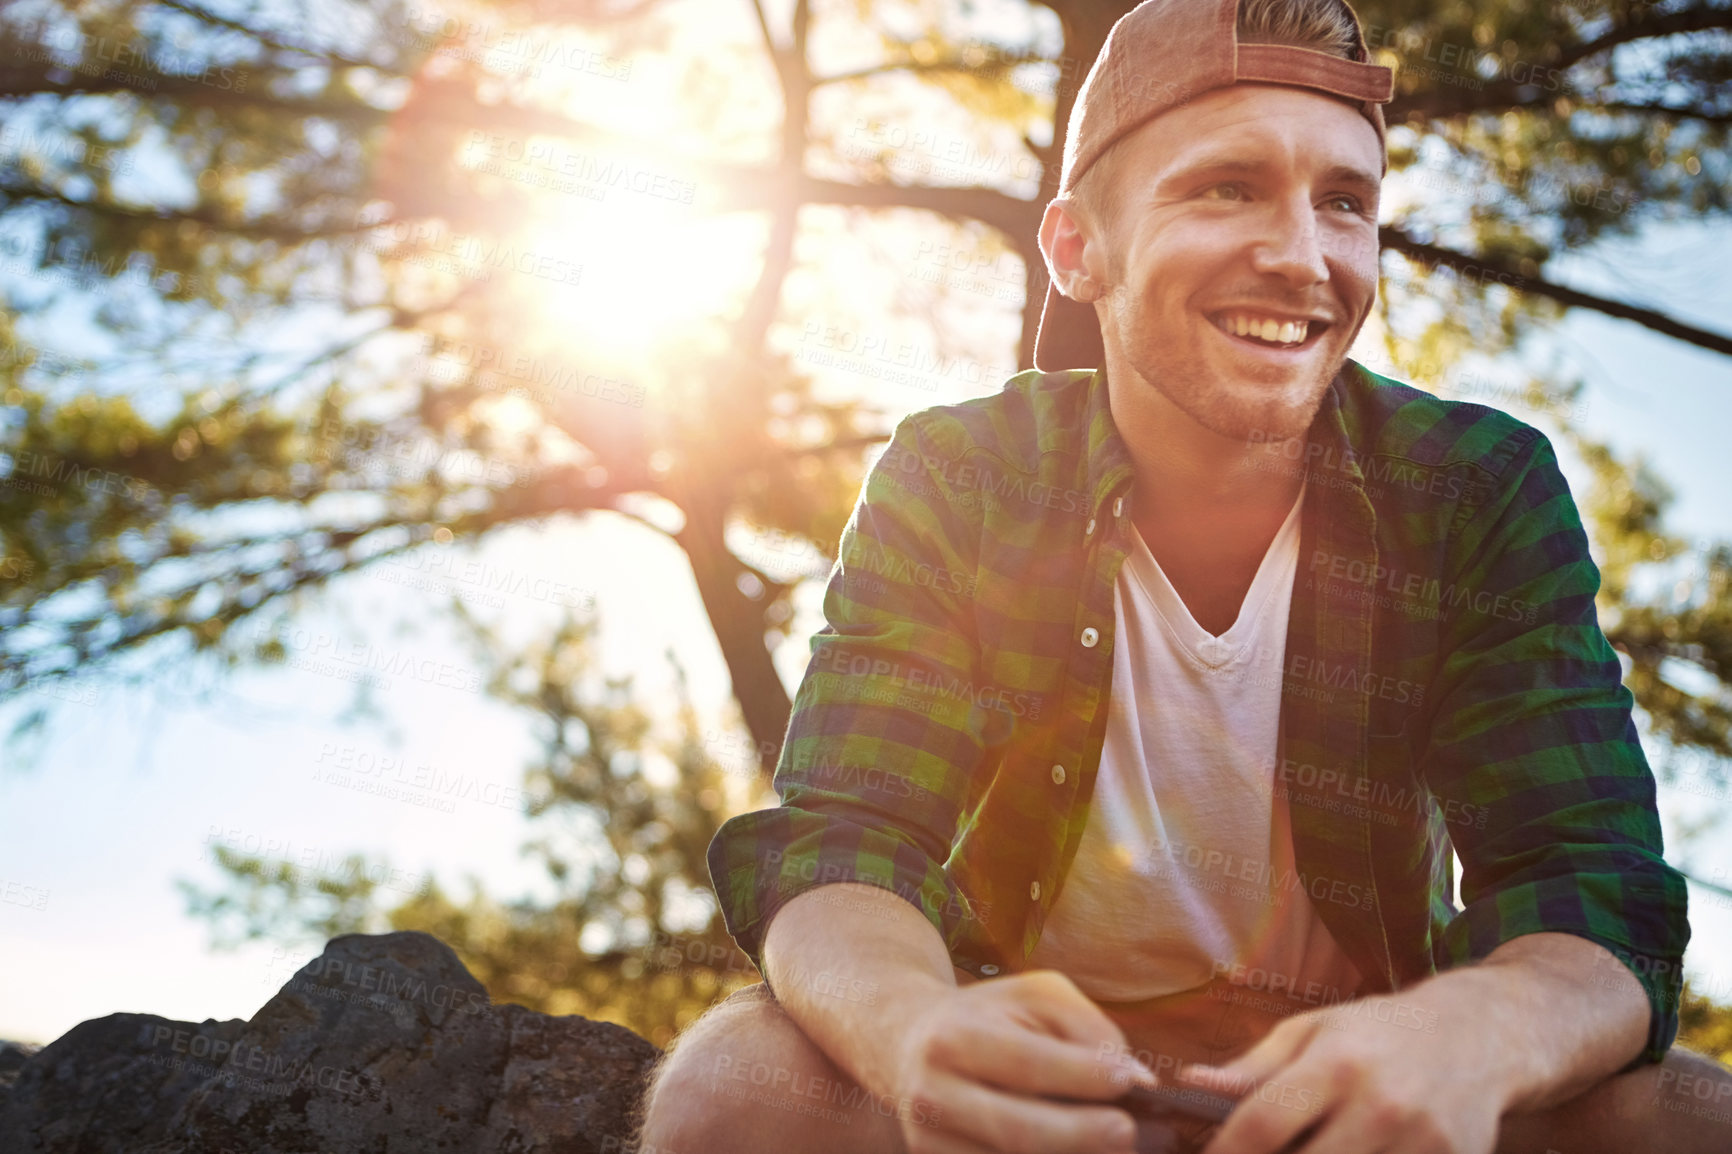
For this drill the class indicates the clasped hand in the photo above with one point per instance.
(987, 1068)
(1386, 1074)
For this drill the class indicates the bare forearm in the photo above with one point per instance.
(1564, 1013)
(852, 964)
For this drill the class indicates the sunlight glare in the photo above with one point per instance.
(656, 276)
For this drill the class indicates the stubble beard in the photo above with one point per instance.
(1278, 415)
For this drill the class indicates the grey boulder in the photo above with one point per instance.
(385, 1044)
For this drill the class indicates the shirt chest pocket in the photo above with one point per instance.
(1392, 790)
(1388, 756)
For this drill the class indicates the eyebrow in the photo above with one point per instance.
(1347, 176)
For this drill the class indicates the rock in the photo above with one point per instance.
(384, 1044)
(13, 1055)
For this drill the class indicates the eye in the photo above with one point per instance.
(1231, 186)
(1351, 202)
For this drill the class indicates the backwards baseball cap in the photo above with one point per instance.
(1159, 55)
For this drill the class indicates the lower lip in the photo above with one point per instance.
(1279, 353)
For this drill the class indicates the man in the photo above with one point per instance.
(1154, 693)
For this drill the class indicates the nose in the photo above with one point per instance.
(1289, 245)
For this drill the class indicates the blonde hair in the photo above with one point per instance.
(1325, 25)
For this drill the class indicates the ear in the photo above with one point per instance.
(1073, 255)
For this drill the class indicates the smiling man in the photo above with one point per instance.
(1155, 692)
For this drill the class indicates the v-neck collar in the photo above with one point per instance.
(1212, 650)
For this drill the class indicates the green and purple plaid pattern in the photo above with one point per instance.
(1445, 682)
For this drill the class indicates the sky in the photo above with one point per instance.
(136, 786)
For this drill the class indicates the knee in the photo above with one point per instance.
(1679, 1104)
(1686, 1080)
(700, 1097)
(746, 1019)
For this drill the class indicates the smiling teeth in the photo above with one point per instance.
(1267, 329)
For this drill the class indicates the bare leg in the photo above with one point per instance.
(744, 1078)
(1681, 1106)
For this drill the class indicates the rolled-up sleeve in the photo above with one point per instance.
(1533, 724)
(876, 767)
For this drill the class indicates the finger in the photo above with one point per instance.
(1050, 1003)
(1274, 1114)
(1002, 1121)
(1363, 1127)
(1280, 1047)
(1013, 1057)
(1357, 1129)
(1215, 1079)
(925, 1140)
(1053, 1000)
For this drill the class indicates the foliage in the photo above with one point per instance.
(1705, 1026)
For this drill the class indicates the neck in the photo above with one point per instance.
(1184, 469)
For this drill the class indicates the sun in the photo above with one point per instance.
(636, 265)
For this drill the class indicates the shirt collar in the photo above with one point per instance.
(1328, 456)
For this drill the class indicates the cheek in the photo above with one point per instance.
(1352, 256)
(1169, 273)
(1359, 290)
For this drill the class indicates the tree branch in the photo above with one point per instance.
(1457, 100)
(757, 188)
(931, 66)
(1722, 119)
(1435, 256)
(1642, 26)
(989, 206)
(266, 39)
(189, 90)
(836, 446)
(15, 194)
(1715, 887)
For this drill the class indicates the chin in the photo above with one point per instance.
(1263, 423)
(1249, 412)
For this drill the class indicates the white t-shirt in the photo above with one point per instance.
(1186, 868)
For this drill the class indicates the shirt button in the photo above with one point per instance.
(1058, 775)
(1090, 527)
(989, 969)
(1090, 636)
(1034, 892)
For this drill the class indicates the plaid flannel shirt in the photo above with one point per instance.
(1445, 682)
